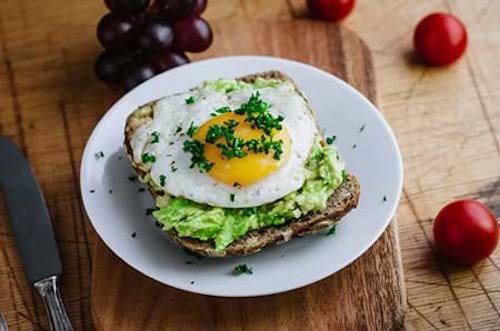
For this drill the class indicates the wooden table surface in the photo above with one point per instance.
(447, 122)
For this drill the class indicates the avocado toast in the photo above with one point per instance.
(210, 225)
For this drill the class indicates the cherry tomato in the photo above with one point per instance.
(332, 10)
(440, 39)
(466, 231)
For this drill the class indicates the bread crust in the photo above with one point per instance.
(341, 202)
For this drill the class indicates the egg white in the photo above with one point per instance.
(173, 112)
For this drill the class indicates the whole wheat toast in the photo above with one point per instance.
(343, 199)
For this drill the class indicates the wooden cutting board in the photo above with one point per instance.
(369, 294)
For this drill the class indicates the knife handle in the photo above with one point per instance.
(49, 291)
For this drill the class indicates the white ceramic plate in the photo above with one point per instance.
(370, 153)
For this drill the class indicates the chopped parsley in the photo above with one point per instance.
(179, 129)
(330, 140)
(173, 169)
(197, 149)
(258, 115)
(162, 180)
(132, 178)
(141, 189)
(231, 146)
(242, 269)
(192, 130)
(223, 110)
(344, 175)
(222, 135)
(190, 100)
(231, 197)
(146, 158)
(155, 137)
(332, 230)
(150, 211)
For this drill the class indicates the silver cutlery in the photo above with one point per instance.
(33, 231)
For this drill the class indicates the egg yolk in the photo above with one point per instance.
(250, 168)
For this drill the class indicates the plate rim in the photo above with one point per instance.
(115, 107)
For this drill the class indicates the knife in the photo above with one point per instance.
(32, 231)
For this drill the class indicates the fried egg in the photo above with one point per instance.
(253, 180)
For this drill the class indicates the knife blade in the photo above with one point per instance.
(33, 231)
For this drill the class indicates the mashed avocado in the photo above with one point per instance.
(324, 173)
(227, 85)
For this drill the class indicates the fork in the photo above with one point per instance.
(3, 324)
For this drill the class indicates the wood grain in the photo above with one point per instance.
(352, 299)
(447, 122)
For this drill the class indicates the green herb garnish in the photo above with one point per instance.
(190, 100)
(179, 129)
(146, 158)
(231, 197)
(197, 149)
(162, 180)
(150, 211)
(344, 175)
(258, 115)
(173, 169)
(192, 130)
(155, 137)
(223, 110)
(242, 269)
(231, 146)
(332, 230)
(330, 140)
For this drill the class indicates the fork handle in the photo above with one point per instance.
(49, 291)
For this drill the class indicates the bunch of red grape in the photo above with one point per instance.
(142, 40)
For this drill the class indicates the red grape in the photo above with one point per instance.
(127, 6)
(192, 34)
(199, 7)
(167, 59)
(175, 9)
(117, 32)
(136, 74)
(108, 66)
(156, 35)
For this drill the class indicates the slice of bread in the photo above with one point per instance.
(343, 199)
